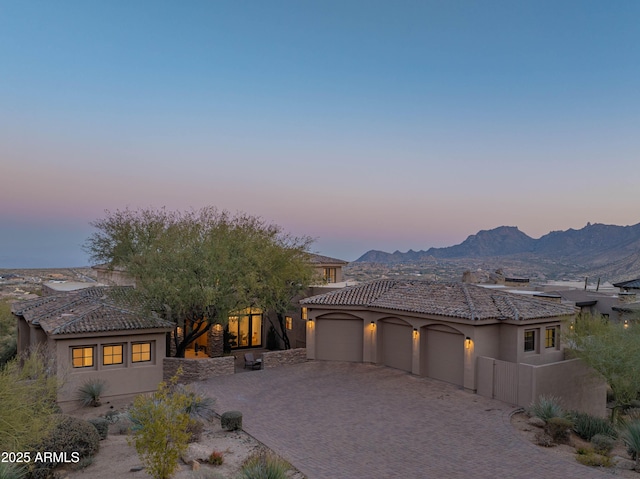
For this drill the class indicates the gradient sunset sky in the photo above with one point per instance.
(365, 124)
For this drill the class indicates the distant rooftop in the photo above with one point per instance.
(320, 259)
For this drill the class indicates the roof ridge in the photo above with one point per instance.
(514, 309)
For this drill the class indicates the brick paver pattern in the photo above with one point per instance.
(335, 420)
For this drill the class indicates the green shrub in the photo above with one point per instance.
(603, 444)
(198, 407)
(586, 426)
(159, 429)
(559, 429)
(594, 460)
(71, 434)
(12, 471)
(264, 466)
(545, 407)
(101, 425)
(90, 391)
(630, 435)
(231, 420)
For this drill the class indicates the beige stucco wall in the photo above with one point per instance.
(121, 379)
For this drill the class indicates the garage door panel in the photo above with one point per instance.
(444, 356)
(397, 346)
(339, 339)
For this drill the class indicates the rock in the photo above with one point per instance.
(623, 463)
(195, 466)
(536, 422)
(136, 468)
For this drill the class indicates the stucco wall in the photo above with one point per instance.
(198, 369)
(273, 359)
(578, 387)
(121, 379)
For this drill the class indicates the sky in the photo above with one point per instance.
(365, 124)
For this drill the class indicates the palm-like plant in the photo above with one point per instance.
(630, 434)
(90, 391)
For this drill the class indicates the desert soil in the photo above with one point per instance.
(117, 459)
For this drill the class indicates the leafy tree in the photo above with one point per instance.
(612, 350)
(27, 401)
(195, 267)
(161, 433)
(8, 333)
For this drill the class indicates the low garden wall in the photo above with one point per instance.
(273, 359)
(198, 369)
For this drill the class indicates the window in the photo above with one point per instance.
(112, 354)
(330, 275)
(550, 338)
(303, 314)
(529, 340)
(288, 322)
(246, 328)
(82, 357)
(140, 352)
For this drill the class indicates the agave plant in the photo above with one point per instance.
(12, 471)
(630, 434)
(545, 408)
(264, 467)
(90, 391)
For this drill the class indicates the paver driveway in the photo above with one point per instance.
(336, 420)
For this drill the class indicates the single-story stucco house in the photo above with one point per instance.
(488, 341)
(93, 336)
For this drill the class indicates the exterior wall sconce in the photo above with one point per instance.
(571, 325)
(467, 342)
(373, 324)
(626, 323)
(415, 332)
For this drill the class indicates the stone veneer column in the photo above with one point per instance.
(215, 341)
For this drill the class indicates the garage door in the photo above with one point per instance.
(444, 356)
(339, 339)
(397, 346)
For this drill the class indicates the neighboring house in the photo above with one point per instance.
(455, 332)
(92, 336)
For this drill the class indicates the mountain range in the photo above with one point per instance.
(594, 246)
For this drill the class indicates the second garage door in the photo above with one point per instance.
(443, 357)
(397, 345)
(339, 339)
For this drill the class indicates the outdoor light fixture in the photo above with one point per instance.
(373, 324)
(626, 323)
(415, 332)
(468, 342)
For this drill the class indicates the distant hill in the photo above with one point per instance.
(594, 245)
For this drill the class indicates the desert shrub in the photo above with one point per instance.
(630, 435)
(71, 434)
(590, 458)
(545, 407)
(264, 466)
(559, 429)
(543, 439)
(90, 391)
(634, 403)
(216, 458)
(603, 444)
(159, 429)
(586, 426)
(101, 425)
(27, 395)
(231, 420)
(12, 471)
(198, 406)
(194, 429)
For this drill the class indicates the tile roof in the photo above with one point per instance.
(320, 259)
(457, 300)
(89, 310)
